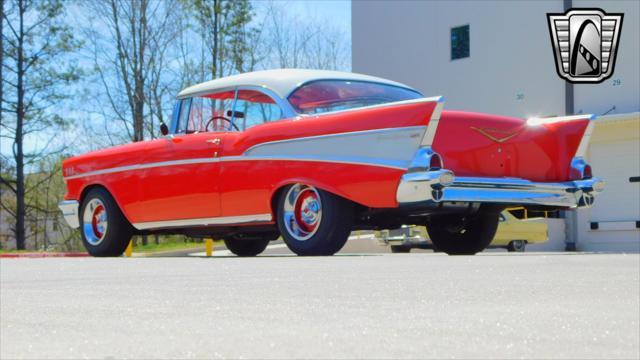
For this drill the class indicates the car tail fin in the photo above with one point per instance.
(539, 149)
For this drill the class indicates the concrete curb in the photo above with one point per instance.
(43, 255)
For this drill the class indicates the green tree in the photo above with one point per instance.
(131, 44)
(36, 77)
(223, 26)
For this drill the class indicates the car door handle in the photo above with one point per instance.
(214, 141)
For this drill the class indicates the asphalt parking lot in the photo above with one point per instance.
(423, 305)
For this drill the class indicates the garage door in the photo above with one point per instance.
(617, 163)
(617, 209)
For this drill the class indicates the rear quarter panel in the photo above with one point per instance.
(249, 186)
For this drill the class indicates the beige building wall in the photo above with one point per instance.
(511, 69)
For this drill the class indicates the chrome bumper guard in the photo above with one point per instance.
(70, 210)
(441, 186)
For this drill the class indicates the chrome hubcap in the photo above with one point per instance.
(94, 222)
(302, 211)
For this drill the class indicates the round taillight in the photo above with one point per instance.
(586, 172)
(435, 162)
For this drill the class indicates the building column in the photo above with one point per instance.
(568, 87)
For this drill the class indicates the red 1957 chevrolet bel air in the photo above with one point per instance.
(312, 155)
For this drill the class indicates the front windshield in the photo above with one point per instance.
(332, 95)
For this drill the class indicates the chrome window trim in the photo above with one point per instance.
(220, 220)
(176, 117)
(286, 109)
(233, 110)
(185, 105)
(376, 106)
(303, 83)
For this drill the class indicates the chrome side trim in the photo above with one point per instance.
(70, 209)
(351, 160)
(389, 146)
(396, 158)
(342, 134)
(328, 159)
(430, 134)
(223, 220)
(144, 166)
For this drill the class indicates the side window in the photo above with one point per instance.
(254, 108)
(210, 112)
(181, 127)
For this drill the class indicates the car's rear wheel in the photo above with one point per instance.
(313, 222)
(516, 246)
(104, 229)
(246, 247)
(463, 234)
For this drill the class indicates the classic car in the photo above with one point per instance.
(312, 155)
(513, 234)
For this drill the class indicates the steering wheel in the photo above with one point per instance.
(206, 127)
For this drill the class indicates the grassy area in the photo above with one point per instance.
(13, 251)
(167, 243)
(167, 246)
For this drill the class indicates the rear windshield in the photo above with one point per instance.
(332, 95)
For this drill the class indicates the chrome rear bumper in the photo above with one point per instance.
(70, 210)
(426, 186)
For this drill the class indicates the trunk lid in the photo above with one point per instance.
(483, 145)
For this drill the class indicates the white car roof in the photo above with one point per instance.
(281, 81)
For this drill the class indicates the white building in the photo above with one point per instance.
(507, 67)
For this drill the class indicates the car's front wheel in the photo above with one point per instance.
(313, 222)
(463, 234)
(104, 229)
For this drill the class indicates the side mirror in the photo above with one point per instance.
(164, 129)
